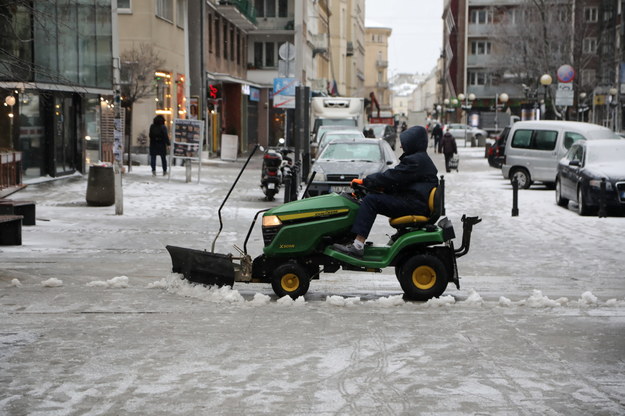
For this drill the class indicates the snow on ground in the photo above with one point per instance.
(94, 322)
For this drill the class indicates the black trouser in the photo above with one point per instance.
(390, 205)
(163, 161)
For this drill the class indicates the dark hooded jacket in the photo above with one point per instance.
(159, 139)
(415, 174)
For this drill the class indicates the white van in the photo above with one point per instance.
(534, 148)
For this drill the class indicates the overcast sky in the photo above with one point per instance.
(415, 43)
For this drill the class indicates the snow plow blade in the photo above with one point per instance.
(202, 266)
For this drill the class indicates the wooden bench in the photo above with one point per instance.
(19, 207)
(11, 230)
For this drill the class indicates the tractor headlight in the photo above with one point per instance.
(271, 221)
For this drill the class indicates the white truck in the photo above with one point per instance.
(338, 111)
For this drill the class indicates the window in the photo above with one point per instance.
(590, 45)
(591, 14)
(570, 138)
(481, 17)
(480, 47)
(589, 76)
(165, 9)
(535, 139)
(180, 13)
(478, 78)
(124, 6)
(270, 54)
(265, 55)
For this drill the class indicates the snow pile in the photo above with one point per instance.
(287, 301)
(442, 301)
(588, 299)
(116, 282)
(504, 302)
(474, 299)
(260, 299)
(390, 301)
(538, 300)
(174, 283)
(15, 283)
(52, 282)
(341, 301)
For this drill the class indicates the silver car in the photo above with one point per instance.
(464, 131)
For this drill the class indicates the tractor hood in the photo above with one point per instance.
(313, 209)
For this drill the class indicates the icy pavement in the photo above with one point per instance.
(93, 322)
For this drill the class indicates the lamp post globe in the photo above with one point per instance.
(461, 97)
(613, 91)
(582, 95)
(503, 97)
(10, 100)
(471, 97)
(546, 80)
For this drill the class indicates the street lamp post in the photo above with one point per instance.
(10, 101)
(503, 97)
(582, 106)
(545, 81)
(466, 107)
(613, 104)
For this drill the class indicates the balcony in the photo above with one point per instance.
(350, 49)
(381, 84)
(381, 63)
(240, 12)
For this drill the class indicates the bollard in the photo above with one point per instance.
(515, 197)
(602, 205)
(442, 186)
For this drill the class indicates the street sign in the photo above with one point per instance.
(284, 92)
(565, 94)
(565, 74)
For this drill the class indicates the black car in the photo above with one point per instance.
(384, 131)
(497, 150)
(585, 166)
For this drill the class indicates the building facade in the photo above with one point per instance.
(376, 65)
(56, 71)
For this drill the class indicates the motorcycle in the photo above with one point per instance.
(276, 167)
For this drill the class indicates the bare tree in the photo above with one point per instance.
(536, 37)
(137, 79)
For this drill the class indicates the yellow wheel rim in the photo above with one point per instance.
(289, 282)
(424, 277)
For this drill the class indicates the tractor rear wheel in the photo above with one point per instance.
(423, 277)
(290, 279)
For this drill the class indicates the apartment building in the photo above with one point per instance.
(495, 48)
(376, 64)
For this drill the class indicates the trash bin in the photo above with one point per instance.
(473, 141)
(481, 141)
(101, 186)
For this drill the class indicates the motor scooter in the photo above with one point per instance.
(276, 165)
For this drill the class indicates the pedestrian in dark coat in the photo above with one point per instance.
(405, 188)
(159, 140)
(437, 134)
(448, 145)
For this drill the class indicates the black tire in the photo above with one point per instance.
(269, 195)
(290, 279)
(582, 208)
(522, 176)
(563, 202)
(423, 277)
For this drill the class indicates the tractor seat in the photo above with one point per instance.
(412, 221)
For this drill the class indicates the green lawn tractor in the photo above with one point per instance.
(298, 238)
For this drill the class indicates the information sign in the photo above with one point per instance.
(187, 142)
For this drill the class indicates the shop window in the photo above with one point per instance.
(163, 92)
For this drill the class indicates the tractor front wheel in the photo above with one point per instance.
(290, 279)
(423, 277)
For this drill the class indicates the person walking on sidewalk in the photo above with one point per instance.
(448, 145)
(159, 140)
(437, 133)
(406, 189)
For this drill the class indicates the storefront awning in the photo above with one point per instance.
(211, 76)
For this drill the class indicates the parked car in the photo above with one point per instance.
(384, 131)
(534, 148)
(332, 135)
(345, 159)
(498, 149)
(464, 131)
(582, 170)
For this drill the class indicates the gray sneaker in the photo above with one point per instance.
(349, 249)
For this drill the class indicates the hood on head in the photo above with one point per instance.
(414, 139)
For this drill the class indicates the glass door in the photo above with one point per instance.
(64, 135)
